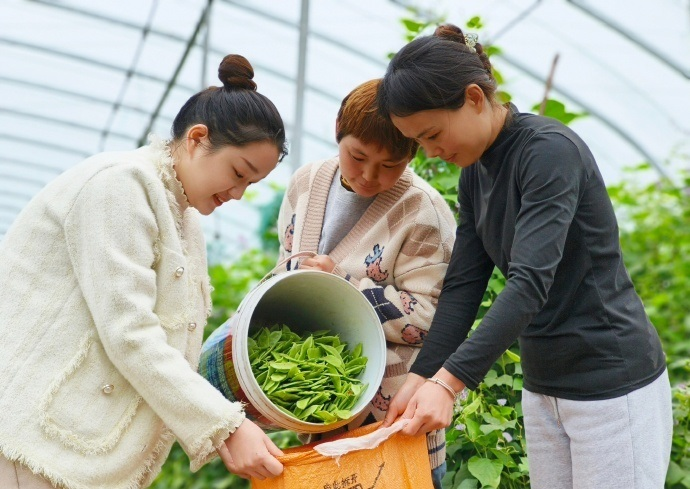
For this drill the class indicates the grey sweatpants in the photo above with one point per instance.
(623, 442)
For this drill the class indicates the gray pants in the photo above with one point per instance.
(623, 442)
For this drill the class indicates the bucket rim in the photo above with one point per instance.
(239, 346)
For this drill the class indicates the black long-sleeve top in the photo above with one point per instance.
(535, 205)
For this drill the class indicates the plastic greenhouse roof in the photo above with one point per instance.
(79, 77)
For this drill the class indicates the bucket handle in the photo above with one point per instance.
(301, 254)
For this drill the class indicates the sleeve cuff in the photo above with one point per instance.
(204, 450)
(342, 273)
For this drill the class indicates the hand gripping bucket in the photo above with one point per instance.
(304, 300)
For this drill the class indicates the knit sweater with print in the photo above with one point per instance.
(396, 255)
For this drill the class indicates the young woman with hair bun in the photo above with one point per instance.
(105, 298)
(596, 398)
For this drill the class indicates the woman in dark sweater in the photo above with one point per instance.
(596, 398)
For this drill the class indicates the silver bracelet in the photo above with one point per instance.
(443, 384)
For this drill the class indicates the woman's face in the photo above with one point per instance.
(457, 136)
(368, 169)
(210, 179)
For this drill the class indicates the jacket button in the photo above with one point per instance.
(191, 326)
(108, 388)
(179, 271)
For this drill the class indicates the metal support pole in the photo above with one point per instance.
(204, 58)
(296, 144)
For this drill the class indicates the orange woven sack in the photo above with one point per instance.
(399, 462)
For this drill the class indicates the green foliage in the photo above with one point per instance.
(441, 175)
(475, 23)
(557, 110)
(214, 475)
(312, 376)
(231, 284)
(486, 444)
(655, 237)
(268, 221)
(417, 22)
(679, 470)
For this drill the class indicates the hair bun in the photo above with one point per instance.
(450, 32)
(236, 73)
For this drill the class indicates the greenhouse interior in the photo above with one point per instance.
(80, 78)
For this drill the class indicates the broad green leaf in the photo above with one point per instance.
(502, 380)
(314, 353)
(513, 357)
(326, 416)
(488, 472)
(472, 428)
(675, 474)
(472, 407)
(413, 25)
(342, 413)
(475, 23)
(283, 365)
(505, 459)
(447, 481)
(468, 484)
(557, 110)
(303, 403)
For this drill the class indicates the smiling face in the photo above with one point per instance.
(368, 169)
(457, 136)
(211, 178)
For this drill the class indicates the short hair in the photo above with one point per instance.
(359, 116)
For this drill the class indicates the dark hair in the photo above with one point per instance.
(359, 117)
(235, 114)
(432, 72)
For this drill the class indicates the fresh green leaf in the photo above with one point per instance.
(487, 471)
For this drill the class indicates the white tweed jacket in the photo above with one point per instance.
(105, 295)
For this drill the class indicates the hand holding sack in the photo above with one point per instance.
(366, 458)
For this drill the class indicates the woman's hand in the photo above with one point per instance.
(248, 452)
(401, 399)
(318, 262)
(426, 405)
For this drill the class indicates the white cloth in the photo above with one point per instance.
(338, 448)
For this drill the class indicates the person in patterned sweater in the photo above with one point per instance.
(369, 219)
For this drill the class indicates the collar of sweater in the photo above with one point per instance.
(166, 172)
(321, 185)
